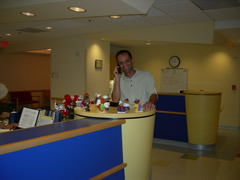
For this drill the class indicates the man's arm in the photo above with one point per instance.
(150, 105)
(116, 88)
(151, 89)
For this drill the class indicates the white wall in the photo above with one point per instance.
(97, 80)
(73, 64)
(210, 67)
(67, 63)
(68, 67)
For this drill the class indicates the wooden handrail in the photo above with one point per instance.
(171, 112)
(171, 94)
(109, 172)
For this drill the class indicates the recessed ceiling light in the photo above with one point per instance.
(115, 17)
(48, 27)
(28, 14)
(8, 34)
(77, 9)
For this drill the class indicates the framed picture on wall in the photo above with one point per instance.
(98, 64)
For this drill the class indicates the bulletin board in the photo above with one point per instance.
(174, 79)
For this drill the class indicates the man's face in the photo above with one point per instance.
(125, 62)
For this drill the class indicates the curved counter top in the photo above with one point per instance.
(112, 113)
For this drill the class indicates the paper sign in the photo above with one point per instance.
(43, 120)
(28, 118)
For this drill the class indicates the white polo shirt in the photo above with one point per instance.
(140, 86)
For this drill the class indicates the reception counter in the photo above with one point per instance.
(191, 117)
(78, 149)
(170, 122)
(203, 110)
(137, 137)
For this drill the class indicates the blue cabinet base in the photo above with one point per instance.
(171, 127)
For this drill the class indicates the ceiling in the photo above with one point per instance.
(144, 13)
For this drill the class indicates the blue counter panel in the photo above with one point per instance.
(116, 176)
(29, 133)
(76, 158)
(171, 103)
(171, 127)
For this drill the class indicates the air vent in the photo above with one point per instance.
(31, 30)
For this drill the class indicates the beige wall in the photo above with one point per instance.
(210, 67)
(25, 71)
(97, 80)
(73, 64)
(68, 66)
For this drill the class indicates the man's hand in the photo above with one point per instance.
(116, 74)
(116, 87)
(149, 106)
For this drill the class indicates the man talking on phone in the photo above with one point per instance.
(131, 83)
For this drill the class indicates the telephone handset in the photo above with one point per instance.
(119, 69)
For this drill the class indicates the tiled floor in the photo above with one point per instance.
(170, 162)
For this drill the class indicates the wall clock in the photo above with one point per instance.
(174, 61)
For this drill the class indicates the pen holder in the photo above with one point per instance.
(13, 117)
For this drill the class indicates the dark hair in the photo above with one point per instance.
(122, 52)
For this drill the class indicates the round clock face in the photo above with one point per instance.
(174, 61)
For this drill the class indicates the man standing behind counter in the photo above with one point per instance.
(133, 83)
